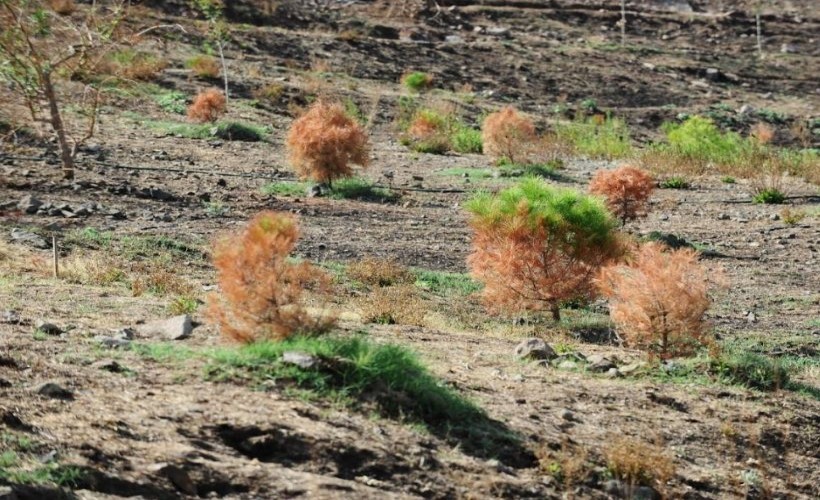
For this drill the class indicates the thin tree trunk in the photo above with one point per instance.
(623, 23)
(57, 124)
(759, 33)
(224, 68)
(556, 313)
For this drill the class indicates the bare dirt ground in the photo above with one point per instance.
(152, 426)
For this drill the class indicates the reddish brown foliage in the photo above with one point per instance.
(324, 143)
(208, 106)
(538, 251)
(659, 300)
(508, 135)
(626, 190)
(261, 291)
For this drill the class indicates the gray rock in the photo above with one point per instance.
(29, 238)
(613, 373)
(614, 487)
(632, 367)
(110, 365)
(113, 342)
(301, 359)
(176, 328)
(713, 74)
(751, 317)
(774, 217)
(4, 384)
(316, 191)
(723, 217)
(645, 493)
(48, 328)
(10, 317)
(788, 48)
(746, 109)
(534, 349)
(6, 493)
(567, 365)
(600, 364)
(54, 390)
(29, 204)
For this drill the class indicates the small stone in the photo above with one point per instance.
(534, 348)
(632, 367)
(599, 364)
(645, 493)
(176, 328)
(746, 109)
(180, 479)
(567, 365)
(723, 217)
(54, 391)
(788, 48)
(110, 365)
(10, 317)
(301, 359)
(774, 217)
(29, 204)
(613, 373)
(315, 191)
(751, 317)
(567, 415)
(614, 487)
(30, 239)
(113, 342)
(48, 328)
(4, 384)
(7, 493)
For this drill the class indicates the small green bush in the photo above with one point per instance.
(238, 131)
(360, 189)
(172, 102)
(466, 140)
(728, 179)
(285, 188)
(675, 182)
(769, 196)
(417, 81)
(699, 139)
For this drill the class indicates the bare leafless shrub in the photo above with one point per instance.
(637, 463)
(626, 190)
(261, 290)
(659, 300)
(398, 304)
(208, 106)
(325, 142)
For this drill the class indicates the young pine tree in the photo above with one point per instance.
(536, 246)
(325, 142)
(659, 300)
(508, 135)
(626, 191)
(207, 107)
(260, 289)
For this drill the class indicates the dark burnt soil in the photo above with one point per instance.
(159, 429)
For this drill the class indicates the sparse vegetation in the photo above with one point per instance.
(674, 182)
(203, 66)
(598, 136)
(261, 289)
(535, 246)
(772, 196)
(638, 463)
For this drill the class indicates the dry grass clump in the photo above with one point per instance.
(96, 269)
(508, 135)
(208, 106)
(63, 7)
(626, 190)
(389, 305)
(260, 289)
(568, 466)
(158, 280)
(637, 463)
(659, 300)
(205, 67)
(325, 142)
(379, 273)
(270, 92)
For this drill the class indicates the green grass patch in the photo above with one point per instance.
(133, 247)
(728, 179)
(387, 378)
(471, 173)
(173, 102)
(228, 130)
(19, 464)
(357, 188)
(417, 81)
(285, 188)
(164, 352)
(446, 284)
(594, 137)
(675, 182)
(699, 139)
(769, 196)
